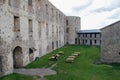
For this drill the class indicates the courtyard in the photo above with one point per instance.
(84, 67)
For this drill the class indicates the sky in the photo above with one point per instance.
(95, 14)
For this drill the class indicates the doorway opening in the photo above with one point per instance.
(17, 57)
(31, 55)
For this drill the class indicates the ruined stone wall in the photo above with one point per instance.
(30, 26)
(72, 27)
(110, 52)
(52, 26)
(10, 37)
(6, 38)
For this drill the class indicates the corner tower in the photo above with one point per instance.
(72, 27)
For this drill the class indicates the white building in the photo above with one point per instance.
(89, 37)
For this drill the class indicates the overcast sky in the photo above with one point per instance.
(94, 14)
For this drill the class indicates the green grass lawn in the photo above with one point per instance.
(83, 68)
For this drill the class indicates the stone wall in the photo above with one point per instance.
(110, 52)
(72, 27)
(36, 25)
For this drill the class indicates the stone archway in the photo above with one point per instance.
(17, 57)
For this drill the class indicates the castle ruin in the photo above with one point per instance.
(30, 29)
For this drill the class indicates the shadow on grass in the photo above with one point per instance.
(116, 66)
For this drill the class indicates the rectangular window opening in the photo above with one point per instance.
(46, 9)
(67, 22)
(90, 35)
(67, 30)
(57, 44)
(9, 2)
(38, 4)
(95, 41)
(30, 2)
(52, 45)
(16, 24)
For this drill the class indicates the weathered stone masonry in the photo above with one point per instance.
(30, 29)
(110, 46)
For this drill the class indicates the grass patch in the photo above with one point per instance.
(83, 68)
(18, 77)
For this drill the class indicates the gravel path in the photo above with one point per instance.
(36, 72)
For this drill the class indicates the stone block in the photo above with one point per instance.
(60, 52)
(72, 57)
(70, 60)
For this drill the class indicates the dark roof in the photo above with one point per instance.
(90, 31)
(110, 25)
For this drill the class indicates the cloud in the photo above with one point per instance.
(65, 5)
(108, 5)
(103, 9)
(82, 7)
(115, 14)
(94, 14)
(94, 20)
(68, 6)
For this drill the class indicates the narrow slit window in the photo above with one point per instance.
(0, 63)
(47, 30)
(52, 12)
(39, 26)
(46, 9)
(52, 45)
(30, 25)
